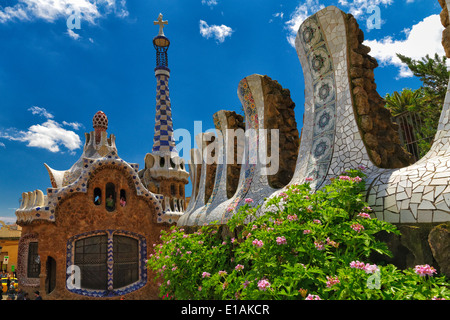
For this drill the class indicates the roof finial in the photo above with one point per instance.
(161, 24)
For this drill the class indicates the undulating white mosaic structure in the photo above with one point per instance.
(331, 141)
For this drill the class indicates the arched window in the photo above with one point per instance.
(109, 262)
(110, 192)
(123, 198)
(172, 189)
(161, 162)
(97, 196)
(172, 164)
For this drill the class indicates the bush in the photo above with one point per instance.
(310, 245)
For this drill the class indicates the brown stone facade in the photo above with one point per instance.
(279, 114)
(446, 23)
(379, 133)
(77, 217)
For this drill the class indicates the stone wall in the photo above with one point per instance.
(380, 134)
(446, 23)
(280, 115)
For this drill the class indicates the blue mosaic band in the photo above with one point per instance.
(163, 140)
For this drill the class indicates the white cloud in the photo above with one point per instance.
(218, 32)
(209, 3)
(73, 34)
(41, 111)
(422, 38)
(2, 145)
(50, 10)
(74, 125)
(300, 14)
(49, 135)
(279, 15)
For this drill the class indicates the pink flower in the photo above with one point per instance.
(292, 218)
(424, 270)
(284, 195)
(281, 240)
(306, 231)
(312, 297)
(258, 243)
(222, 273)
(263, 284)
(361, 167)
(199, 288)
(254, 227)
(206, 274)
(357, 265)
(239, 267)
(331, 281)
(364, 215)
(357, 227)
(248, 200)
(344, 178)
(308, 179)
(371, 268)
(319, 245)
(317, 221)
(356, 179)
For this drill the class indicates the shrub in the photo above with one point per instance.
(309, 245)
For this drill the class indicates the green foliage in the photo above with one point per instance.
(427, 101)
(307, 245)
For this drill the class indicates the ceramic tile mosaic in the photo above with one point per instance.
(331, 141)
(163, 140)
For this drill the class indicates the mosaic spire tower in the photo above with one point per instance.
(165, 172)
(163, 140)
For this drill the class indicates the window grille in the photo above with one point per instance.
(34, 264)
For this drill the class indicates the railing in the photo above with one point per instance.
(412, 134)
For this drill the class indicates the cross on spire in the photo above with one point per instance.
(161, 24)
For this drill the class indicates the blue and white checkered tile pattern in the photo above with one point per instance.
(163, 141)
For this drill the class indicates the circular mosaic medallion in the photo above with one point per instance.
(319, 62)
(324, 91)
(324, 121)
(321, 148)
(308, 34)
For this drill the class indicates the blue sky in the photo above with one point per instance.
(54, 79)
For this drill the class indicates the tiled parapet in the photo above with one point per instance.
(333, 139)
(253, 182)
(197, 204)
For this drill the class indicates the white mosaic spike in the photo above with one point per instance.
(199, 202)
